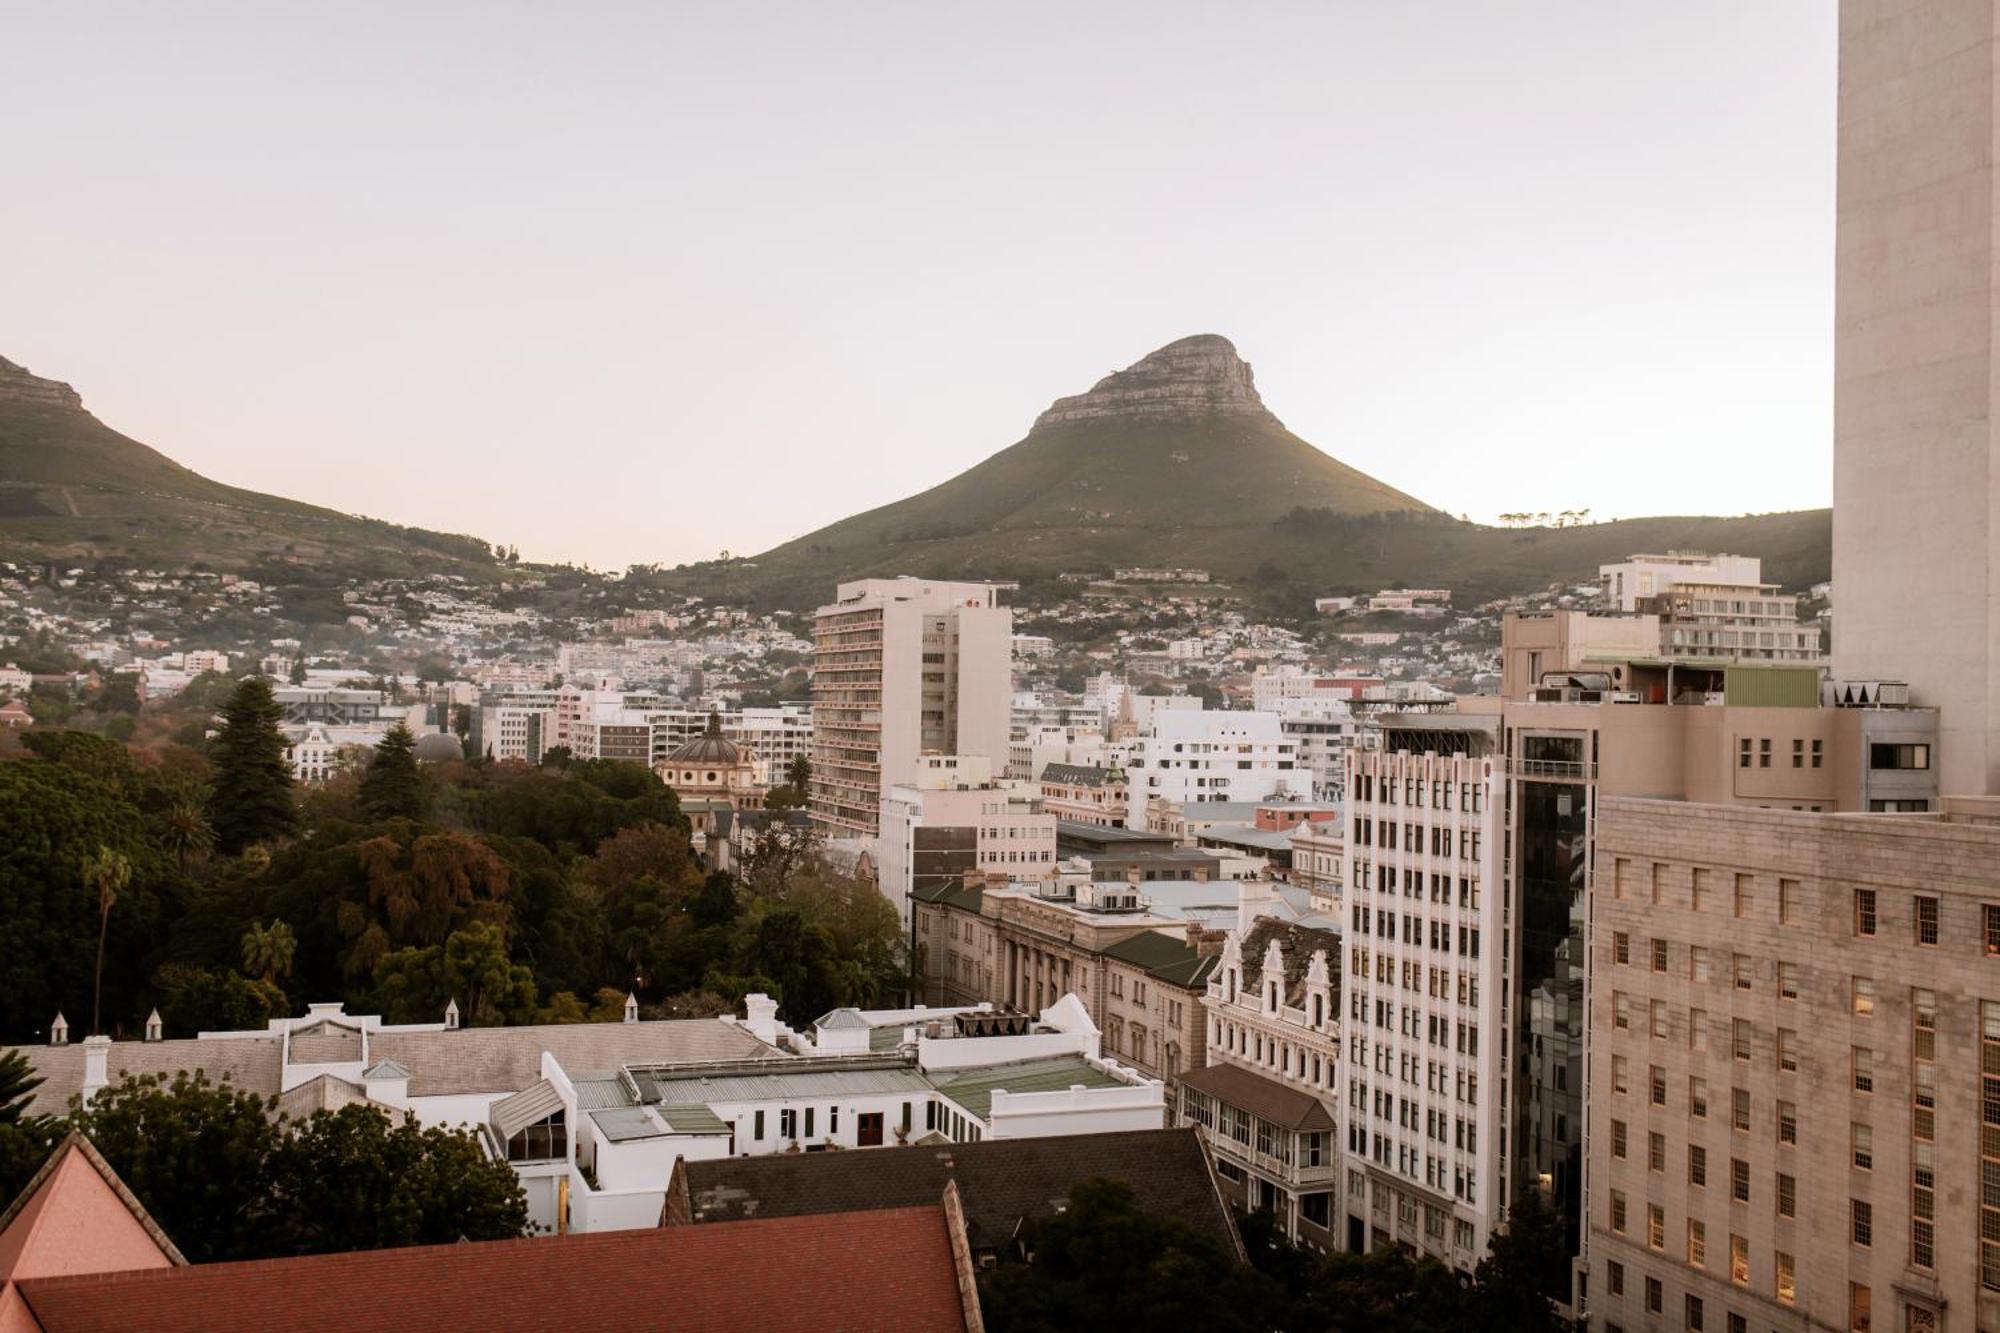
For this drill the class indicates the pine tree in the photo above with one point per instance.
(392, 788)
(251, 801)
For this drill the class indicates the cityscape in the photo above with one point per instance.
(1154, 873)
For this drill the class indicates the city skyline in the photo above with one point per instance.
(646, 245)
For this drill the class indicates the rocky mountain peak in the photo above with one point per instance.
(1186, 380)
(18, 386)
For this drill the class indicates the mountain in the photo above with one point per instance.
(1175, 460)
(73, 489)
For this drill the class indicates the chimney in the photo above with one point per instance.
(631, 1007)
(451, 1015)
(154, 1028)
(59, 1030)
(96, 1065)
(760, 1015)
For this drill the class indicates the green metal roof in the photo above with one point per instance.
(973, 1089)
(952, 894)
(688, 1119)
(1150, 949)
(1771, 686)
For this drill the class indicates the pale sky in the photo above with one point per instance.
(644, 282)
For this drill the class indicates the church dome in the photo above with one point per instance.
(438, 747)
(711, 749)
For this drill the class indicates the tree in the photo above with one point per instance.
(195, 1152)
(199, 999)
(798, 773)
(118, 694)
(471, 967)
(393, 788)
(347, 1180)
(268, 950)
(18, 1081)
(1527, 1267)
(298, 676)
(184, 830)
(107, 873)
(1104, 1263)
(252, 798)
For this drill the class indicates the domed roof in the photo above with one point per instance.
(711, 749)
(438, 746)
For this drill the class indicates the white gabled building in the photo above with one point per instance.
(1189, 756)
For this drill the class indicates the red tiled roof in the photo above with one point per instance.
(889, 1271)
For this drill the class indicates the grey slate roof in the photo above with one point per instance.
(1076, 775)
(835, 1019)
(1006, 1185)
(385, 1069)
(507, 1059)
(251, 1063)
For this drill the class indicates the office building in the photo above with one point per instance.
(903, 667)
(1189, 756)
(950, 818)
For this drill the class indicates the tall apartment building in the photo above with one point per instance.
(1188, 756)
(903, 667)
(513, 724)
(1428, 1109)
(1794, 1093)
(1743, 736)
(950, 818)
(1916, 529)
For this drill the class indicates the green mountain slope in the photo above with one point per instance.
(1176, 461)
(71, 488)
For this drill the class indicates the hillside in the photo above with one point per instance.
(71, 488)
(1176, 460)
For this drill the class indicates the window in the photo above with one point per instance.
(1989, 929)
(1659, 1018)
(1764, 752)
(1739, 1109)
(1656, 1226)
(1788, 1051)
(1864, 911)
(1697, 1098)
(1698, 891)
(1618, 1211)
(1697, 1244)
(1621, 1011)
(1743, 752)
(1698, 1166)
(544, 1141)
(1658, 1086)
(1618, 1136)
(1739, 1261)
(1788, 1195)
(1745, 892)
(1746, 971)
(1861, 1222)
(1317, 1209)
(1818, 752)
(788, 1123)
(1788, 1287)
(1788, 902)
(1989, 1144)
(1698, 964)
(1656, 1296)
(1739, 1180)
(1738, 1323)
(1927, 919)
(1621, 948)
(1695, 1313)
(1798, 753)
(757, 1127)
(1860, 1311)
(1861, 1146)
(1620, 1074)
(1899, 756)
(1659, 955)
(1614, 1278)
(1697, 1029)
(1739, 1038)
(1864, 1069)
(1788, 1123)
(1864, 997)
(1788, 981)
(1656, 1152)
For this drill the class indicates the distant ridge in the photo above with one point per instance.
(1175, 460)
(73, 489)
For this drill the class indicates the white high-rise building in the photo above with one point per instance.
(950, 818)
(1639, 577)
(904, 667)
(1191, 755)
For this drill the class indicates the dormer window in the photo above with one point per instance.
(546, 1140)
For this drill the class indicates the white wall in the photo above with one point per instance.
(1028, 1115)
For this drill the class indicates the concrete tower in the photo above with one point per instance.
(1916, 529)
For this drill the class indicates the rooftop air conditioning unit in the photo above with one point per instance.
(1622, 697)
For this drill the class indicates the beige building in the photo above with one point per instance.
(1916, 530)
(1084, 794)
(1794, 1084)
(1023, 946)
(902, 667)
(1267, 1102)
(949, 819)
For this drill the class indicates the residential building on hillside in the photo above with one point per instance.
(1794, 1092)
(903, 667)
(513, 724)
(1267, 1098)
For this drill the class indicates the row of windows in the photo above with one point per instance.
(1442, 794)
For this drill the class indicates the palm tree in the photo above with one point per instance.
(268, 950)
(108, 872)
(184, 830)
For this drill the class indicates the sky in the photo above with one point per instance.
(623, 283)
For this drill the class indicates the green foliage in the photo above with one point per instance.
(268, 951)
(347, 1180)
(58, 820)
(252, 798)
(472, 966)
(200, 999)
(18, 1081)
(118, 694)
(393, 788)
